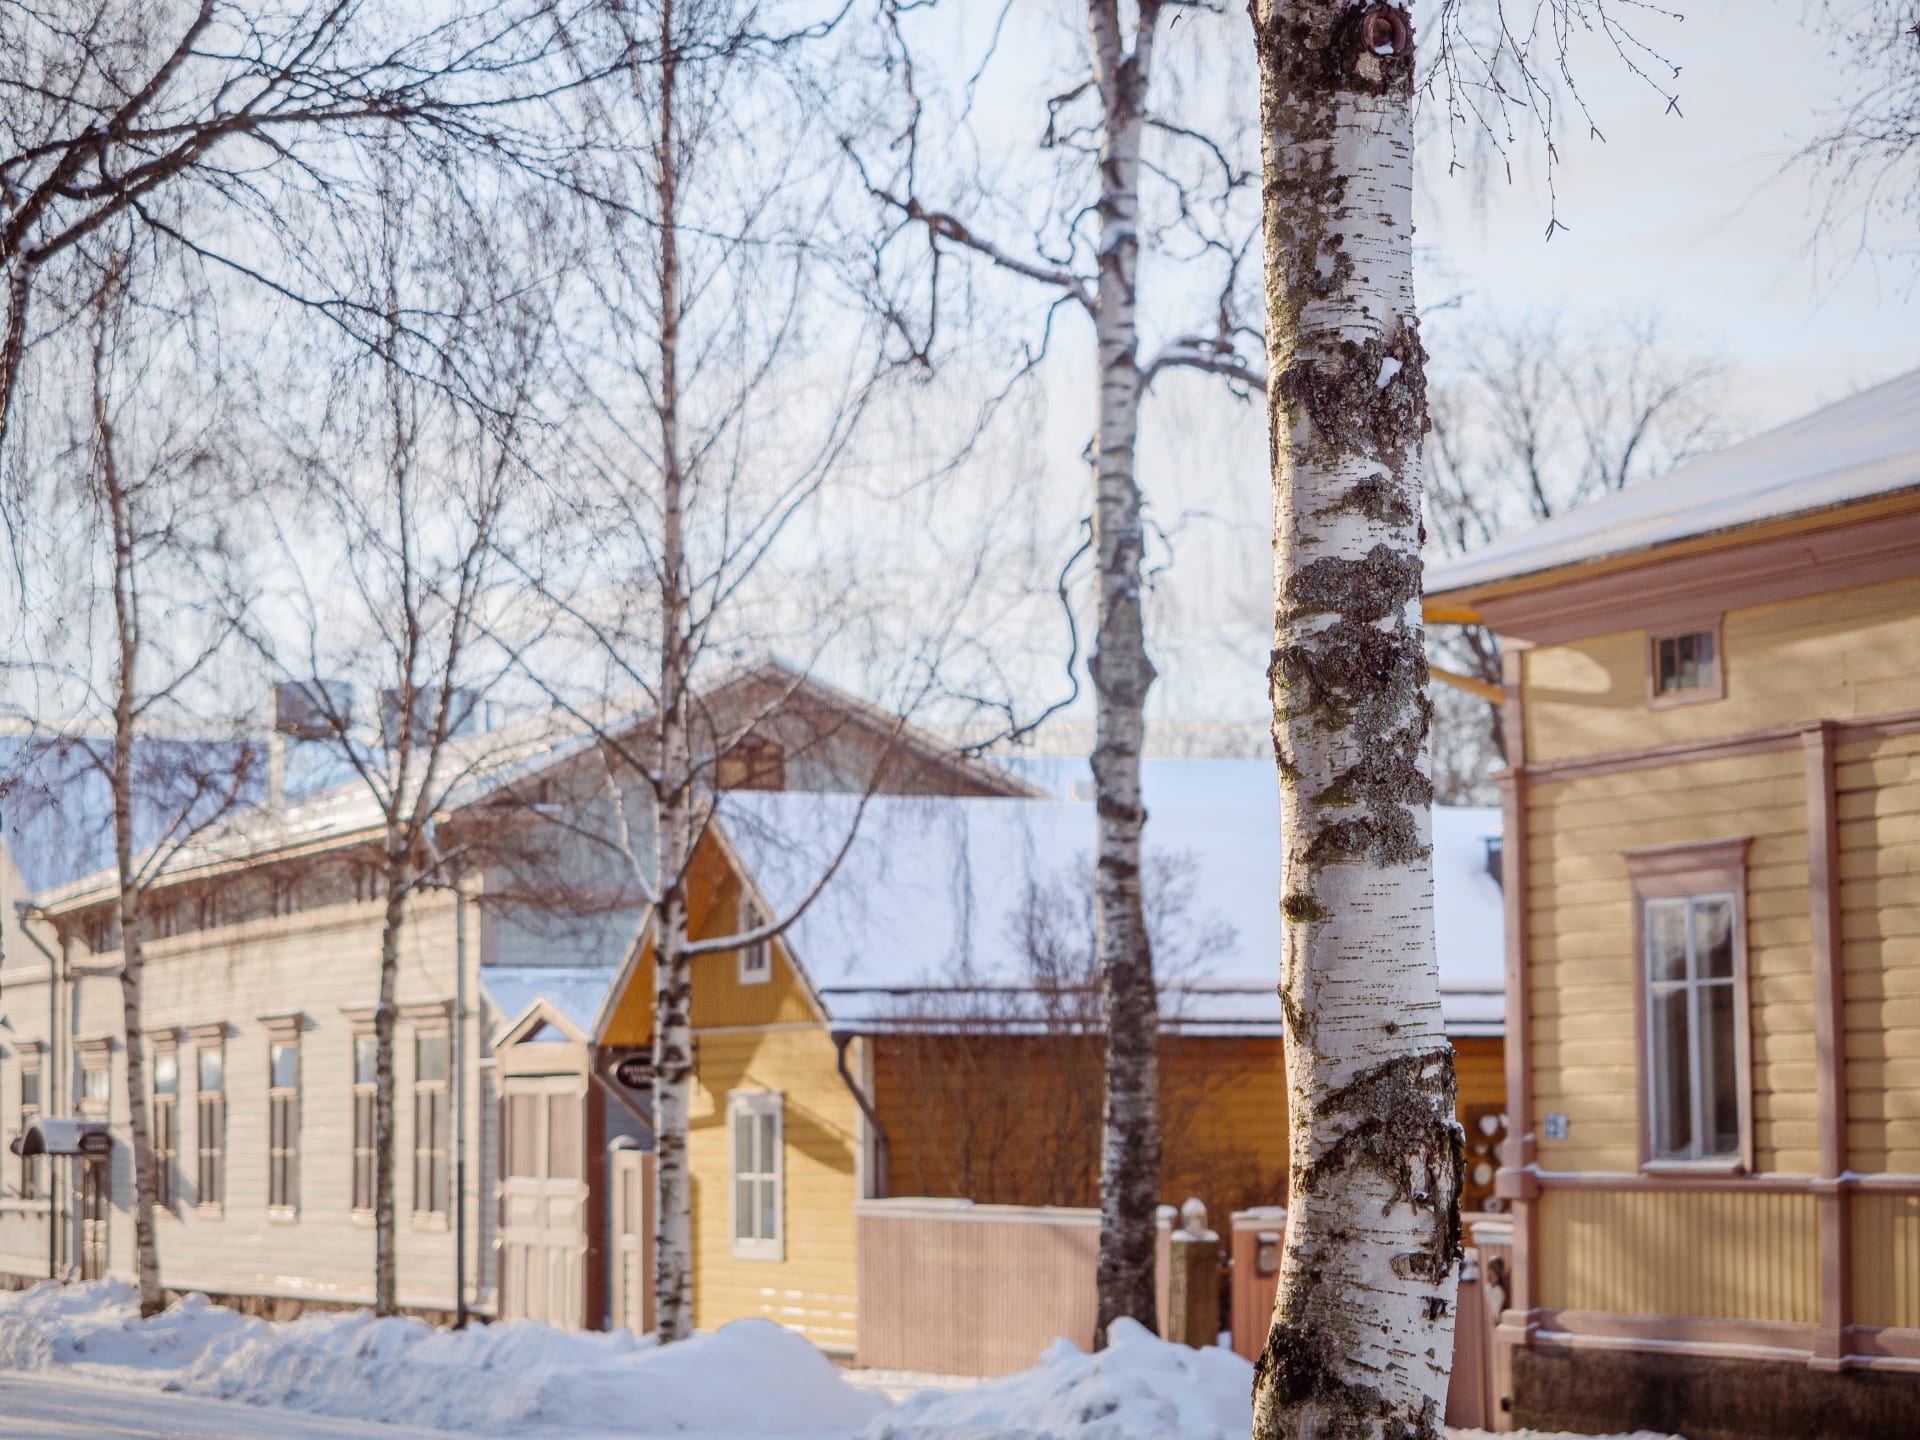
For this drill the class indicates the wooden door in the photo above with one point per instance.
(630, 1187)
(96, 1205)
(543, 1202)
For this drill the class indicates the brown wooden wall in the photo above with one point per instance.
(1015, 1120)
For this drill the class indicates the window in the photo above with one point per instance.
(751, 765)
(166, 1126)
(430, 1123)
(96, 1086)
(756, 960)
(283, 1124)
(1684, 667)
(1691, 962)
(210, 1173)
(757, 1202)
(32, 1180)
(365, 1062)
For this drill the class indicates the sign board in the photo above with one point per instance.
(94, 1143)
(635, 1071)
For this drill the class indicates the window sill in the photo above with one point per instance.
(282, 1214)
(1693, 1167)
(430, 1220)
(213, 1210)
(771, 1252)
(363, 1219)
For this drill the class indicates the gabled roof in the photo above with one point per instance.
(1865, 446)
(480, 766)
(927, 909)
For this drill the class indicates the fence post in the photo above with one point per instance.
(1193, 1300)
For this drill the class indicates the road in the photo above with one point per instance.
(66, 1407)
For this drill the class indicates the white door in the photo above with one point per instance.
(543, 1202)
(630, 1185)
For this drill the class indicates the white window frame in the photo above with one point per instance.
(750, 971)
(753, 1105)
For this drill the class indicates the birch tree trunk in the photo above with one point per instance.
(386, 1299)
(1361, 1340)
(1130, 1150)
(126, 616)
(673, 971)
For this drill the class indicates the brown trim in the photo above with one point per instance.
(1830, 1047)
(1875, 1341)
(1674, 1180)
(1671, 871)
(1699, 695)
(1458, 604)
(1517, 1158)
(1676, 588)
(1721, 747)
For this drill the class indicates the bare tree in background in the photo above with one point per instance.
(222, 128)
(151, 459)
(1135, 177)
(403, 501)
(1542, 415)
(1868, 150)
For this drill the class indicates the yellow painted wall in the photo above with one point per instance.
(1717, 1256)
(1848, 653)
(1886, 1260)
(1581, 918)
(1878, 789)
(812, 1289)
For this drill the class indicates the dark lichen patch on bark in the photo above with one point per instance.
(1379, 780)
(1387, 837)
(1298, 1372)
(1377, 585)
(1407, 1124)
(1354, 673)
(1366, 398)
(1302, 908)
(1378, 498)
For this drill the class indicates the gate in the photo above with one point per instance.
(630, 1183)
(543, 1202)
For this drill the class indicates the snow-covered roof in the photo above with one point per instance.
(575, 991)
(1865, 445)
(939, 893)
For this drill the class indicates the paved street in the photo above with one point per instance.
(75, 1408)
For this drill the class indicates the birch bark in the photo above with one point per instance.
(672, 781)
(126, 616)
(1361, 1339)
(1122, 674)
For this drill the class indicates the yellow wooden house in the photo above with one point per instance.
(1712, 858)
(916, 1039)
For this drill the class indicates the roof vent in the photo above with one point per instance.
(312, 709)
(463, 714)
(1494, 866)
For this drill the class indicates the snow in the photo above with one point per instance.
(515, 1378)
(1867, 444)
(93, 1368)
(1138, 1387)
(932, 891)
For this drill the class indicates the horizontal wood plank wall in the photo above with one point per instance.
(1848, 653)
(1581, 918)
(968, 1294)
(1886, 1260)
(1734, 1256)
(1878, 798)
(812, 1289)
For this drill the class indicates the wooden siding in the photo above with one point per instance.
(1745, 1256)
(1581, 914)
(812, 1288)
(1835, 656)
(1877, 784)
(322, 963)
(959, 1113)
(1886, 1260)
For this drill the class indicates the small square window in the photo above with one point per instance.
(756, 959)
(1684, 666)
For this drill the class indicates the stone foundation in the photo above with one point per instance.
(1709, 1398)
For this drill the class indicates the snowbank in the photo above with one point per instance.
(1138, 1388)
(752, 1376)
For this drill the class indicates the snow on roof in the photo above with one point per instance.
(576, 992)
(1865, 445)
(934, 891)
